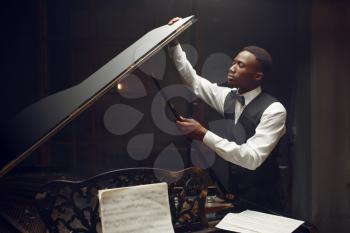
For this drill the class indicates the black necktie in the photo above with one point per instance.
(239, 98)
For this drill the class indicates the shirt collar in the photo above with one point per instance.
(250, 95)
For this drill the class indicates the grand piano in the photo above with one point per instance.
(60, 203)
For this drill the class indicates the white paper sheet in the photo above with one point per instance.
(136, 209)
(256, 222)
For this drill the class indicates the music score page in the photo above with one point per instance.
(136, 209)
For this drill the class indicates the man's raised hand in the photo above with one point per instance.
(173, 20)
(175, 41)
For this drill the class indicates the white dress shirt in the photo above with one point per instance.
(271, 128)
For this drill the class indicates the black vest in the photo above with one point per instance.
(261, 186)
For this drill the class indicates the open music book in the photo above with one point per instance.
(136, 209)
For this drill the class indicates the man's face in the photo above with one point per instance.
(243, 72)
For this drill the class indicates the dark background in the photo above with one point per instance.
(48, 46)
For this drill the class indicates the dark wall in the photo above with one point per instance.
(330, 111)
(20, 46)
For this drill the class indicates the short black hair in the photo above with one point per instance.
(262, 56)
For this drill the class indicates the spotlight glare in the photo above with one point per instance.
(120, 87)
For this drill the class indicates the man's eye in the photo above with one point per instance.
(240, 64)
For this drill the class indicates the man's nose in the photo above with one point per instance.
(233, 68)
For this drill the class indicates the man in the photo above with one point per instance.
(256, 122)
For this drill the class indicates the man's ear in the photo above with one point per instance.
(259, 76)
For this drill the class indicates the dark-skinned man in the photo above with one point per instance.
(255, 123)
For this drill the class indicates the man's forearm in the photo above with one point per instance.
(211, 93)
(241, 155)
(185, 69)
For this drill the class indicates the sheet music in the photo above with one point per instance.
(256, 222)
(136, 209)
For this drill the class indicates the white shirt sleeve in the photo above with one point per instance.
(253, 153)
(210, 93)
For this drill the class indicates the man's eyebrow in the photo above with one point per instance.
(238, 61)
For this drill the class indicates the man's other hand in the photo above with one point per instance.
(191, 128)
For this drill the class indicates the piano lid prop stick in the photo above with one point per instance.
(169, 104)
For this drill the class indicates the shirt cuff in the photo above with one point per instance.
(210, 139)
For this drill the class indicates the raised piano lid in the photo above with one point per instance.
(38, 122)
